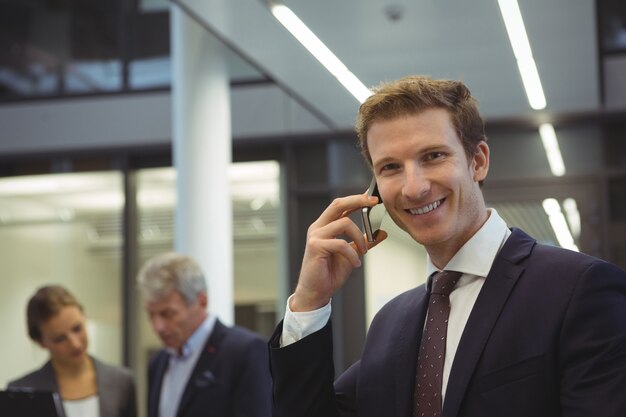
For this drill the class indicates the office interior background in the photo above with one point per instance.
(87, 182)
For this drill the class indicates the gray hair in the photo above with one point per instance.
(171, 272)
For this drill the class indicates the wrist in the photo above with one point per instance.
(302, 302)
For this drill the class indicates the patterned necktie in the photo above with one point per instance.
(427, 400)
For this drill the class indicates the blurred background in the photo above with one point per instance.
(88, 179)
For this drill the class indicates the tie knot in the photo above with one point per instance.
(444, 282)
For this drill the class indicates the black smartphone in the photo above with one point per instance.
(372, 223)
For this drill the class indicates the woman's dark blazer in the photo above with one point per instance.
(116, 387)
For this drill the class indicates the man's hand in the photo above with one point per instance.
(328, 259)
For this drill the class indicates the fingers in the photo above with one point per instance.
(379, 236)
(343, 226)
(342, 207)
(347, 250)
(334, 221)
(328, 258)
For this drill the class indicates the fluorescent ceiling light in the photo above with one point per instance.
(573, 216)
(248, 181)
(551, 146)
(58, 183)
(523, 54)
(246, 172)
(320, 51)
(558, 223)
(532, 84)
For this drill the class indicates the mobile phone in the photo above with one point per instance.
(372, 223)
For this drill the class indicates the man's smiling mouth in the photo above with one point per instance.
(426, 209)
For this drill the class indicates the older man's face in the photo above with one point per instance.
(173, 320)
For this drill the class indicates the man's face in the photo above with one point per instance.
(429, 187)
(173, 320)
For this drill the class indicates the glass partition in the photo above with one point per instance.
(60, 229)
(257, 235)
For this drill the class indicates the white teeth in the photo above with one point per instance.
(425, 209)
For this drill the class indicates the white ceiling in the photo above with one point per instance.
(464, 40)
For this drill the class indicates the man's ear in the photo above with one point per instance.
(203, 300)
(480, 162)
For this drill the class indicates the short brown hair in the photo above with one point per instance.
(44, 304)
(413, 94)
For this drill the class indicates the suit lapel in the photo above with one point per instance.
(202, 374)
(409, 337)
(102, 381)
(155, 391)
(48, 378)
(501, 279)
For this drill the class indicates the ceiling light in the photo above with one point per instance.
(551, 146)
(523, 54)
(320, 51)
(57, 183)
(246, 172)
(573, 216)
(558, 223)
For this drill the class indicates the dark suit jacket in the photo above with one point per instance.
(116, 387)
(546, 338)
(231, 378)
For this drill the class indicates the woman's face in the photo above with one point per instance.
(65, 336)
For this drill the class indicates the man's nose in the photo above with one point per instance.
(157, 324)
(416, 183)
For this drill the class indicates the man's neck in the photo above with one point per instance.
(198, 322)
(441, 254)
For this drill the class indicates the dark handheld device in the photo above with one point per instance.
(22, 403)
(371, 223)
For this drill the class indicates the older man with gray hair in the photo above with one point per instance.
(205, 368)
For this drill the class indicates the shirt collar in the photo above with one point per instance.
(477, 254)
(197, 339)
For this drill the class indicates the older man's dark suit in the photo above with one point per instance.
(546, 338)
(230, 379)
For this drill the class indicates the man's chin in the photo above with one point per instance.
(169, 343)
(427, 238)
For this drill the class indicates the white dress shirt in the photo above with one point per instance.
(180, 367)
(474, 260)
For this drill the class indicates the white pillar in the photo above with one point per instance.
(202, 156)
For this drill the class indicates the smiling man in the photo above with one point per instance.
(205, 368)
(504, 326)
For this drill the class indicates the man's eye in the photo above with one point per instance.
(434, 155)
